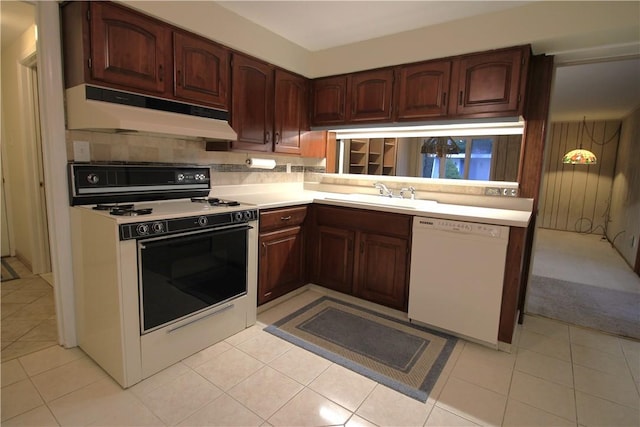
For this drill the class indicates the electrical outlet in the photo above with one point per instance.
(81, 151)
(491, 191)
(288, 167)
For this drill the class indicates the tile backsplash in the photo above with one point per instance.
(227, 168)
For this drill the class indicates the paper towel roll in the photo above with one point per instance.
(261, 163)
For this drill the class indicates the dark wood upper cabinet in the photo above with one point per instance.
(129, 49)
(252, 104)
(109, 45)
(482, 85)
(201, 70)
(370, 96)
(291, 99)
(329, 100)
(423, 90)
(359, 97)
(491, 83)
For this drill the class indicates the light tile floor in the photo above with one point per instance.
(28, 313)
(556, 375)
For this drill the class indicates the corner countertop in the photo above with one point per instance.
(458, 212)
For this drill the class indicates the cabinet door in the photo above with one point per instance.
(201, 70)
(128, 49)
(329, 100)
(290, 112)
(281, 267)
(382, 270)
(490, 83)
(370, 96)
(252, 105)
(423, 90)
(334, 264)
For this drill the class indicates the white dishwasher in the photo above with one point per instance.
(456, 278)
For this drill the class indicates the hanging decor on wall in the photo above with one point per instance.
(581, 156)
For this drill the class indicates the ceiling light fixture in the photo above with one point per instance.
(440, 146)
(581, 156)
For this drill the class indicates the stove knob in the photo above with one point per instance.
(247, 215)
(158, 227)
(92, 178)
(237, 216)
(180, 177)
(143, 229)
(202, 221)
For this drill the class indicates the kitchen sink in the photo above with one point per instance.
(371, 199)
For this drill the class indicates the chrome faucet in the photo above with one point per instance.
(384, 191)
(409, 188)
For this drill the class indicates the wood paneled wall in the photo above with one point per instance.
(577, 197)
(505, 158)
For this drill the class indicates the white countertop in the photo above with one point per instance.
(508, 217)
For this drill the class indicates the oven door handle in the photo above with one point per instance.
(197, 319)
(190, 235)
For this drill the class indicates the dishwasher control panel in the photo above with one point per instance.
(488, 230)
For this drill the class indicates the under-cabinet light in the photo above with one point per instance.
(497, 128)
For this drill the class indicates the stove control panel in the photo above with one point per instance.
(145, 229)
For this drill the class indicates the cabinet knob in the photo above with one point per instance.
(277, 137)
(267, 137)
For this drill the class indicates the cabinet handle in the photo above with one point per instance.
(179, 79)
(444, 99)
(460, 99)
(160, 73)
(285, 218)
(264, 248)
(267, 137)
(277, 137)
(268, 294)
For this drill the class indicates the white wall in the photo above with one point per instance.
(19, 147)
(624, 229)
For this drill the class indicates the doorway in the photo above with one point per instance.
(23, 189)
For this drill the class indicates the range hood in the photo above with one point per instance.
(100, 109)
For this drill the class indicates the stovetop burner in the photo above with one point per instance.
(130, 212)
(103, 207)
(214, 201)
(123, 210)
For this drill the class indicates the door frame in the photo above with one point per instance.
(54, 150)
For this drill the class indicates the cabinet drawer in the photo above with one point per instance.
(280, 218)
(385, 223)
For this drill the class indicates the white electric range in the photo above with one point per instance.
(161, 270)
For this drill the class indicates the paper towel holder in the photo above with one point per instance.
(256, 163)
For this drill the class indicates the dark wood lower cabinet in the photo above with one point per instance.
(362, 253)
(334, 265)
(382, 270)
(281, 263)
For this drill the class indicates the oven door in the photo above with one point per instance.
(181, 275)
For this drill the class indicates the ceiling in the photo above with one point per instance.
(599, 91)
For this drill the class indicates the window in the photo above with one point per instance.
(473, 162)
